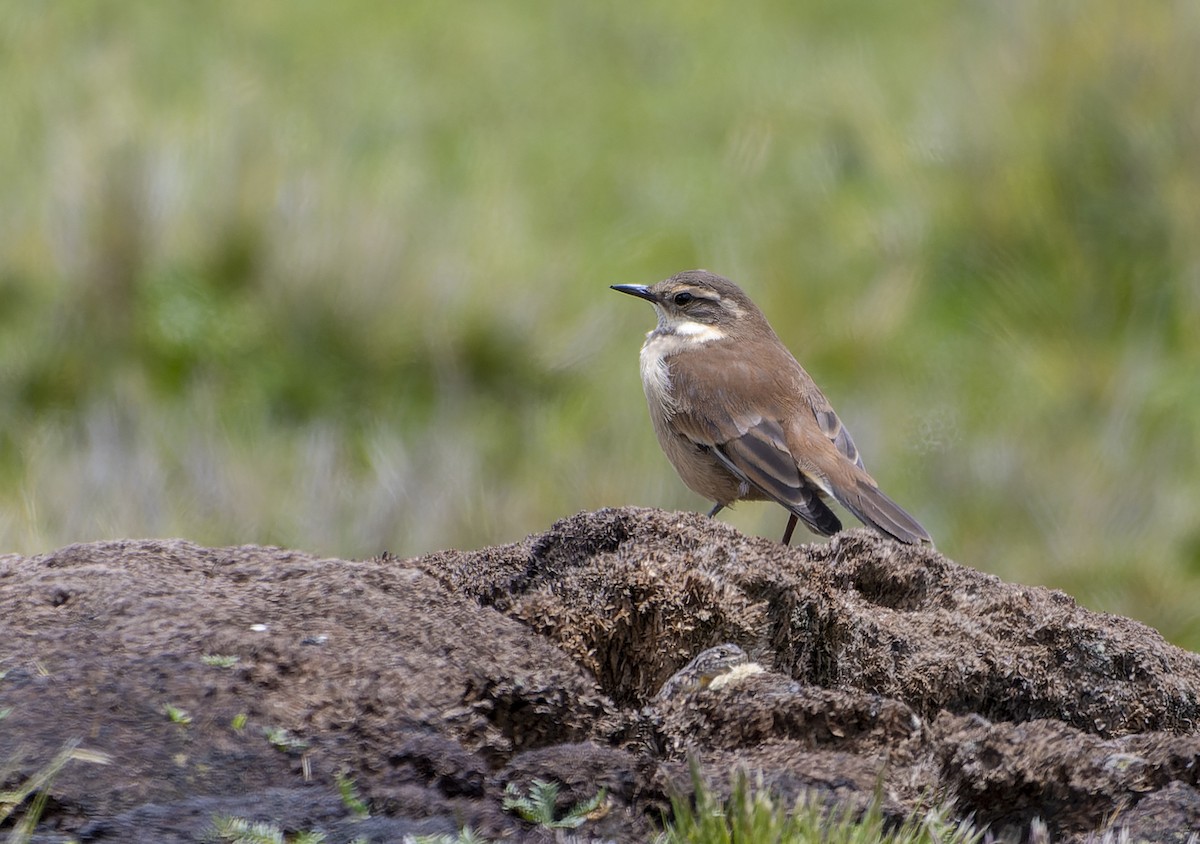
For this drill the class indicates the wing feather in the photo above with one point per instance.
(801, 499)
(831, 426)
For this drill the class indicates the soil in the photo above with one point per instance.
(888, 672)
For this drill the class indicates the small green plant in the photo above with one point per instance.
(282, 739)
(754, 814)
(538, 806)
(177, 715)
(220, 660)
(351, 799)
(239, 721)
(465, 836)
(234, 830)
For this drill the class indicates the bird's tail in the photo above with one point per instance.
(872, 507)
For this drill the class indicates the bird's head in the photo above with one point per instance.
(700, 305)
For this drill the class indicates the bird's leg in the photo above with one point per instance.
(717, 508)
(787, 533)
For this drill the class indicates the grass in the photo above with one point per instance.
(752, 813)
(36, 789)
(220, 660)
(284, 740)
(335, 277)
(176, 715)
(351, 797)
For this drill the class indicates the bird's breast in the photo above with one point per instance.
(698, 468)
(664, 342)
(656, 375)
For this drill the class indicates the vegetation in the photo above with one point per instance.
(235, 830)
(351, 798)
(539, 806)
(177, 715)
(31, 794)
(466, 836)
(284, 740)
(753, 814)
(334, 276)
(220, 660)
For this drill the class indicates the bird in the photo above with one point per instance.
(740, 418)
(707, 666)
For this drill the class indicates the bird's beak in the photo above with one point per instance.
(639, 290)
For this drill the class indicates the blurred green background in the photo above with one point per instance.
(334, 275)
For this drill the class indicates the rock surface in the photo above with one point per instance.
(433, 683)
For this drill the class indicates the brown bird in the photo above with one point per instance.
(740, 419)
(701, 671)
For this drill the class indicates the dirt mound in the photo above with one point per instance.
(433, 683)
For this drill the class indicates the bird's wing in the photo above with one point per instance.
(760, 458)
(775, 446)
(831, 426)
(714, 413)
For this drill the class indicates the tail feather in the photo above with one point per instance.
(814, 512)
(869, 504)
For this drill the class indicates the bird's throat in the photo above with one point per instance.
(676, 336)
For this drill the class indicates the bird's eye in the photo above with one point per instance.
(683, 298)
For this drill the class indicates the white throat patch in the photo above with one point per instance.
(698, 331)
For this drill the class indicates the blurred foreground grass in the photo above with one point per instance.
(334, 276)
